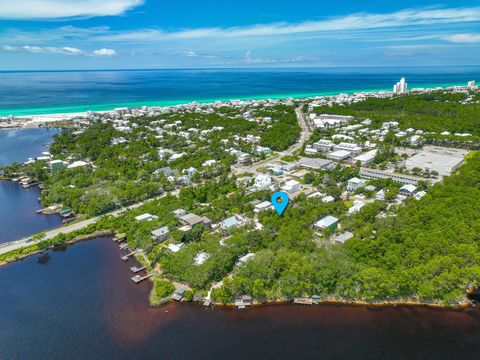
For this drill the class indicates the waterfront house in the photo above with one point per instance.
(179, 294)
(243, 301)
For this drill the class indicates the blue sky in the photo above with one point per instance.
(110, 34)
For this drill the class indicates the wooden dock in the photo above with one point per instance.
(303, 301)
(119, 238)
(138, 279)
(135, 269)
(125, 257)
(123, 246)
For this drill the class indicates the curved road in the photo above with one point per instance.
(304, 135)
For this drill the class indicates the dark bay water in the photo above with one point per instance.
(82, 305)
(17, 212)
(73, 91)
(17, 205)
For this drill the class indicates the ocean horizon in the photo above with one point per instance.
(71, 91)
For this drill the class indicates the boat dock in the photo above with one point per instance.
(303, 301)
(138, 279)
(135, 269)
(125, 257)
(119, 238)
(123, 246)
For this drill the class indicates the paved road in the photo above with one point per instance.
(306, 131)
(50, 234)
(304, 135)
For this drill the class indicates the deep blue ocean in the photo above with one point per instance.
(23, 93)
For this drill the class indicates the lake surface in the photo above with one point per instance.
(82, 305)
(74, 91)
(18, 205)
(18, 218)
(17, 145)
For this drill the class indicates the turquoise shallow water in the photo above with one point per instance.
(31, 93)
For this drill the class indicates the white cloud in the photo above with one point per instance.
(463, 38)
(58, 9)
(105, 52)
(66, 50)
(197, 55)
(359, 21)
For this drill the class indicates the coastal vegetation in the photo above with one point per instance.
(161, 292)
(427, 252)
(121, 174)
(432, 112)
(423, 250)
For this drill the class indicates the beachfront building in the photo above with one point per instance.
(400, 87)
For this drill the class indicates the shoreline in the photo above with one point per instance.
(39, 116)
(376, 304)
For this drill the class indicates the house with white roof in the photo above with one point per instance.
(146, 217)
(408, 190)
(355, 183)
(291, 186)
(262, 182)
(265, 205)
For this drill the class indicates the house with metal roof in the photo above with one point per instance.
(160, 234)
(328, 222)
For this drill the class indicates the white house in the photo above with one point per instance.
(408, 190)
(265, 205)
(146, 217)
(355, 183)
(291, 186)
(328, 199)
(262, 182)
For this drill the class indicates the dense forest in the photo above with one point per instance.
(433, 112)
(428, 251)
(127, 173)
